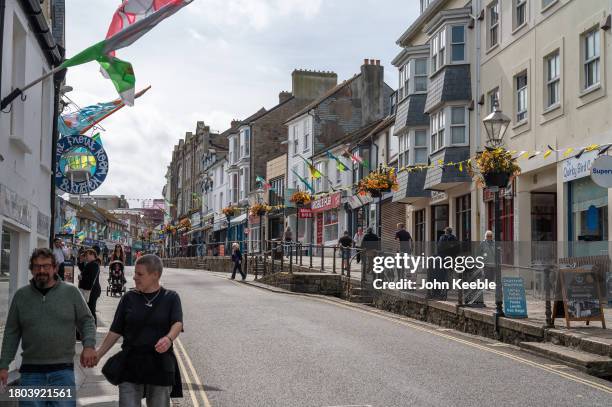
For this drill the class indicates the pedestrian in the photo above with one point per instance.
(89, 283)
(44, 317)
(357, 239)
(105, 255)
(192, 247)
(487, 250)
(404, 238)
(61, 254)
(345, 243)
(287, 239)
(370, 244)
(447, 247)
(150, 319)
(118, 254)
(237, 259)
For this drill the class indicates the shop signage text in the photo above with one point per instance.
(601, 171)
(437, 196)
(69, 143)
(326, 203)
(305, 213)
(575, 168)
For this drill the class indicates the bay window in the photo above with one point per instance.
(458, 123)
(458, 43)
(420, 75)
(438, 50)
(437, 130)
(420, 146)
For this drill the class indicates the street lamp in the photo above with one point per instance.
(496, 125)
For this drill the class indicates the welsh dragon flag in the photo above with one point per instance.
(132, 20)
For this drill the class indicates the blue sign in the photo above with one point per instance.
(92, 150)
(592, 218)
(515, 303)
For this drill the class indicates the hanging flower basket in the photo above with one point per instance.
(300, 198)
(378, 182)
(259, 209)
(230, 210)
(495, 167)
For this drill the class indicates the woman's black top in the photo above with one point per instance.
(142, 326)
(90, 278)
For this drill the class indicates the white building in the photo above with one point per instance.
(28, 51)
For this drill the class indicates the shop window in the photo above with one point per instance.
(463, 206)
(506, 217)
(439, 221)
(330, 225)
(588, 217)
(419, 225)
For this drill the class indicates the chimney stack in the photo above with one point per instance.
(284, 96)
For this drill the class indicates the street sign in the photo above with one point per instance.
(515, 302)
(601, 171)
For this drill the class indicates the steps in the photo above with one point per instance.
(596, 365)
(360, 295)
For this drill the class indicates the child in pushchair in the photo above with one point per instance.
(116, 279)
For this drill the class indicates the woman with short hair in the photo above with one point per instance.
(149, 318)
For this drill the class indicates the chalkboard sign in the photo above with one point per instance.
(581, 296)
(515, 303)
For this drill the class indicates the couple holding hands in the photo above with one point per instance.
(45, 315)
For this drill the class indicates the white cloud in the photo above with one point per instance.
(218, 60)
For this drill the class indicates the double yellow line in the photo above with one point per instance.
(190, 376)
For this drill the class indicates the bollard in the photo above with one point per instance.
(334, 262)
(310, 253)
(301, 252)
(322, 258)
(291, 259)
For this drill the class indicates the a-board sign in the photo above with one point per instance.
(515, 302)
(581, 292)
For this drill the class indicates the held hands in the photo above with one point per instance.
(3, 378)
(89, 357)
(163, 344)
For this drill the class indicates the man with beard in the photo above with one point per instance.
(44, 316)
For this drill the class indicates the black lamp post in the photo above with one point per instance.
(496, 125)
(260, 193)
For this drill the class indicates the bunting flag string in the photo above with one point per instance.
(339, 164)
(306, 183)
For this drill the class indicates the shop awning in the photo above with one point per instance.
(238, 219)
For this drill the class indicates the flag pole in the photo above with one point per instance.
(19, 91)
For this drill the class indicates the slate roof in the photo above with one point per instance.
(450, 84)
(436, 178)
(411, 187)
(411, 112)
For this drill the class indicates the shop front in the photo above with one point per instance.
(587, 209)
(359, 208)
(327, 213)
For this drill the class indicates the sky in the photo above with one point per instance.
(218, 60)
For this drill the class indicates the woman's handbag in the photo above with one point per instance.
(116, 364)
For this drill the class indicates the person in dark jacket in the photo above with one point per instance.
(237, 259)
(150, 319)
(90, 281)
(370, 245)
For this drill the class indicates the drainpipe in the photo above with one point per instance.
(58, 79)
(2, 12)
(477, 124)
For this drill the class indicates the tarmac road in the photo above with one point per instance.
(246, 346)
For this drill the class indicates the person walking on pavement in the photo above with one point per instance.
(44, 316)
(89, 283)
(287, 239)
(447, 247)
(370, 244)
(61, 255)
(237, 259)
(150, 319)
(357, 243)
(105, 256)
(118, 254)
(487, 250)
(345, 243)
(404, 238)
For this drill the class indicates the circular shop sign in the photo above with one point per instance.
(97, 172)
(601, 171)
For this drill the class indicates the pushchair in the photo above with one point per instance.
(116, 279)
